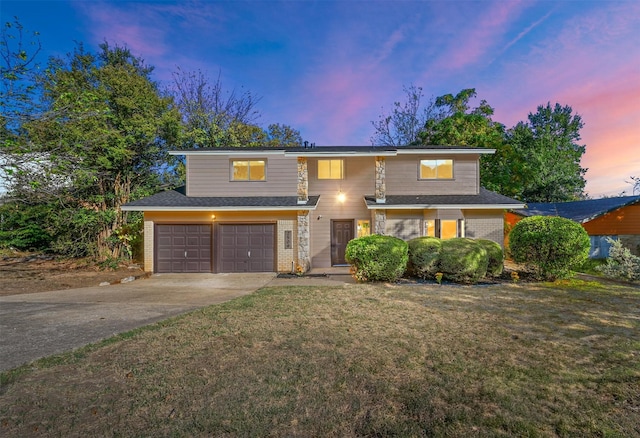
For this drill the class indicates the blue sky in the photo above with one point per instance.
(329, 68)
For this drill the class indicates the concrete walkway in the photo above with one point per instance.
(42, 324)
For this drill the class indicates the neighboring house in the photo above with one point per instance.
(617, 218)
(284, 209)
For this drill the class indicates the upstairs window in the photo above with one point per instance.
(248, 170)
(436, 169)
(330, 169)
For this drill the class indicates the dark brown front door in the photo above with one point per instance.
(341, 234)
(183, 248)
(245, 248)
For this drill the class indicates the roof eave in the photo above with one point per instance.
(382, 206)
(224, 208)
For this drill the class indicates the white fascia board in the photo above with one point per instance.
(316, 154)
(443, 207)
(175, 209)
(257, 152)
(452, 151)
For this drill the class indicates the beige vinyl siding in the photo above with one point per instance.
(359, 180)
(209, 175)
(401, 175)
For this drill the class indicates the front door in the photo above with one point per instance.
(341, 234)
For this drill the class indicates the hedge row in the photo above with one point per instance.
(386, 258)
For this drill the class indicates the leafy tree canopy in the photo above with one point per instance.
(535, 161)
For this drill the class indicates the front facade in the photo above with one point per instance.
(283, 210)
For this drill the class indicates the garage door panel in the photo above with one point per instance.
(183, 248)
(246, 248)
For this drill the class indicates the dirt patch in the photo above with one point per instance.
(41, 273)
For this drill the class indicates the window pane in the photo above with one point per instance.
(240, 170)
(364, 228)
(445, 169)
(256, 172)
(448, 229)
(336, 169)
(430, 228)
(427, 169)
(329, 169)
(324, 169)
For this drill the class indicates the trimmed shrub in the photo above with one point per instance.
(463, 260)
(377, 258)
(496, 256)
(621, 264)
(424, 255)
(551, 246)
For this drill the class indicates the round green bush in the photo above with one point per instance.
(551, 246)
(377, 258)
(463, 260)
(424, 255)
(496, 256)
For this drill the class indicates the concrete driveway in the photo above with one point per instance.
(41, 324)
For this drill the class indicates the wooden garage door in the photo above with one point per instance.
(245, 248)
(183, 248)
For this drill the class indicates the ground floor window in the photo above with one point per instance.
(364, 228)
(444, 228)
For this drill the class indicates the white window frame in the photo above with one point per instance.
(437, 163)
(248, 161)
(331, 177)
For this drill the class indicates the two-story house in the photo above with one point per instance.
(280, 209)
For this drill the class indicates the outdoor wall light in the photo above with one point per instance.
(213, 217)
(341, 197)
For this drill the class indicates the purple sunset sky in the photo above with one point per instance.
(329, 68)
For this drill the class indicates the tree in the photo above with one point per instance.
(456, 124)
(279, 135)
(406, 121)
(100, 143)
(548, 155)
(635, 184)
(213, 117)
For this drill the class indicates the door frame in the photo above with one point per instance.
(333, 221)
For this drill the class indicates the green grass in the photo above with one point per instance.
(557, 359)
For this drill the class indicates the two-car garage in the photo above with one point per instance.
(215, 248)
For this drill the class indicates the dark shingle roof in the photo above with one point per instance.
(174, 199)
(579, 211)
(329, 149)
(485, 198)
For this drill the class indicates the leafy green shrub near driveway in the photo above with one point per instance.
(496, 256)
(424, 255)
(552, 246)
(463, 260)
(377, 258)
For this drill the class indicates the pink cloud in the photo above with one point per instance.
(474, 42)
(598, 78)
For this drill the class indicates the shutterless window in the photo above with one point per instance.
(364, 228)
(330, 169)
(444, 228)
(248, 170)
(436, 169)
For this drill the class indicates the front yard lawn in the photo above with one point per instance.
(359, 360)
